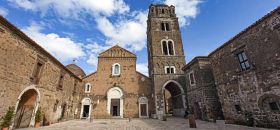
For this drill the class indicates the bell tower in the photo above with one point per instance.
(166, 59)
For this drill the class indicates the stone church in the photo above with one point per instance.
(116, 89)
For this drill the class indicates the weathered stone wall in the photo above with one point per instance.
(18, 58)
(132, 83)
(202, 95)
(255, 88)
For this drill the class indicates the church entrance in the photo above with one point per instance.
(174, 99)
(143, 107)
(86, 108)
(115, 107)
(115, 102)
(86, 111)
(25, 109)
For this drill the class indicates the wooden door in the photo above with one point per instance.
(143, 109)
(23, 116)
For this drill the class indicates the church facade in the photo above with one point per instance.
(116, 89)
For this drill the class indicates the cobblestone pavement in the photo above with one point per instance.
(141, 124)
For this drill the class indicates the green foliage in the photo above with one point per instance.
(8, 117)
(38, 116)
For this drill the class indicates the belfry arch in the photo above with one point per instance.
(174, 101)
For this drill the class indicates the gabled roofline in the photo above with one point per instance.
(23, 36)
(134, 55)
(246, 30)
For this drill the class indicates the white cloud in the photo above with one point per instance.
(3, 11)
(142, 68)
(63, 48)
(93, 50)
(96, 48)
(129, 33)
(185, 9)
(74, 8)
(93, 59)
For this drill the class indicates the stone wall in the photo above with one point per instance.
(257, 89)
(18, 56)
(202, 94)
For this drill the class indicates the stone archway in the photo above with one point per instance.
(26, 107)
(143, 107)
(115, 102)
(175, 104)
(269, 102)
(86, 108)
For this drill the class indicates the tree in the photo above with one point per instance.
(7, 118)
(38, 116)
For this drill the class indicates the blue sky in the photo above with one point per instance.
(81, 29)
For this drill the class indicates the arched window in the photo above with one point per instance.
(165, 26)
(169, 69)
(116, 70)
(87, 88)
(167, 47)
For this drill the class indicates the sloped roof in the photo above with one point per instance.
(76, 70)
(117, 51)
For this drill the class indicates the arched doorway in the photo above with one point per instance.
(115, 102)
(143, 107)
(85, 108)
(174, 99)
(27, 105)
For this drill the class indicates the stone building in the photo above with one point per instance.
(116, 89)
(247, 73)
(201, 90)
(30, 78)
(165, 59)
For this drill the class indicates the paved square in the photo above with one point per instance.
(141, 124)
